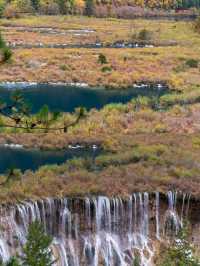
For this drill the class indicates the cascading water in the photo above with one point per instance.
(94, 231)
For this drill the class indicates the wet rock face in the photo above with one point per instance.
(99, 230)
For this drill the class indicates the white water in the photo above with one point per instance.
(94, 231)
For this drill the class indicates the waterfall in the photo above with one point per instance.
(157, 215)
(95, 231)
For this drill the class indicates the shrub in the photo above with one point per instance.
(2, 7)
(23, 5)
(160, 128)
(193, 63)
(127, 11)
(106, 69)
(102, 59)
(101, 11)
(63, 67)
(79, 6)
(6, 54)
(197, 25)
(11, 11)
(144, 35)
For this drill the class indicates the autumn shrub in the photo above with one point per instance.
(141, 153)
(24, 6)
(11, 11)
(116, 106)
(197, 25)
(160, 128)
(141, 102)
(49, 7)
(79, 6)
(181, 98)
(126, 11)
(101, 11)
(63, 67)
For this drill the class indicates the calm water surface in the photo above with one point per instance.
(67, 98)
(32, 159)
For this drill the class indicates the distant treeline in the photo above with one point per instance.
(99, 8)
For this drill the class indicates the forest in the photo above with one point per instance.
(99, 8)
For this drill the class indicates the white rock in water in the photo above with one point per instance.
(94, 147)
(13, 146)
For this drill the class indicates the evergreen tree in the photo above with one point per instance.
(35, 4)
(2, 42)
(37, 250)
(13, 262)
(180, 253)
(89, 7)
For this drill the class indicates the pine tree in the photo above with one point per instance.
(37, 250)
(180, 253)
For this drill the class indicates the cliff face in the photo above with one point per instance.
(100, 230)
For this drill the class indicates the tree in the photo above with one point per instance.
(16, 114)
(2, 7)
(2, 42)
(37, 250)
(180, 252)
(5, 51)
(102, 59)
(35, 4)
(89, 7)
(46, 118)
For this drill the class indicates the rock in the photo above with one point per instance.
(34, 64)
